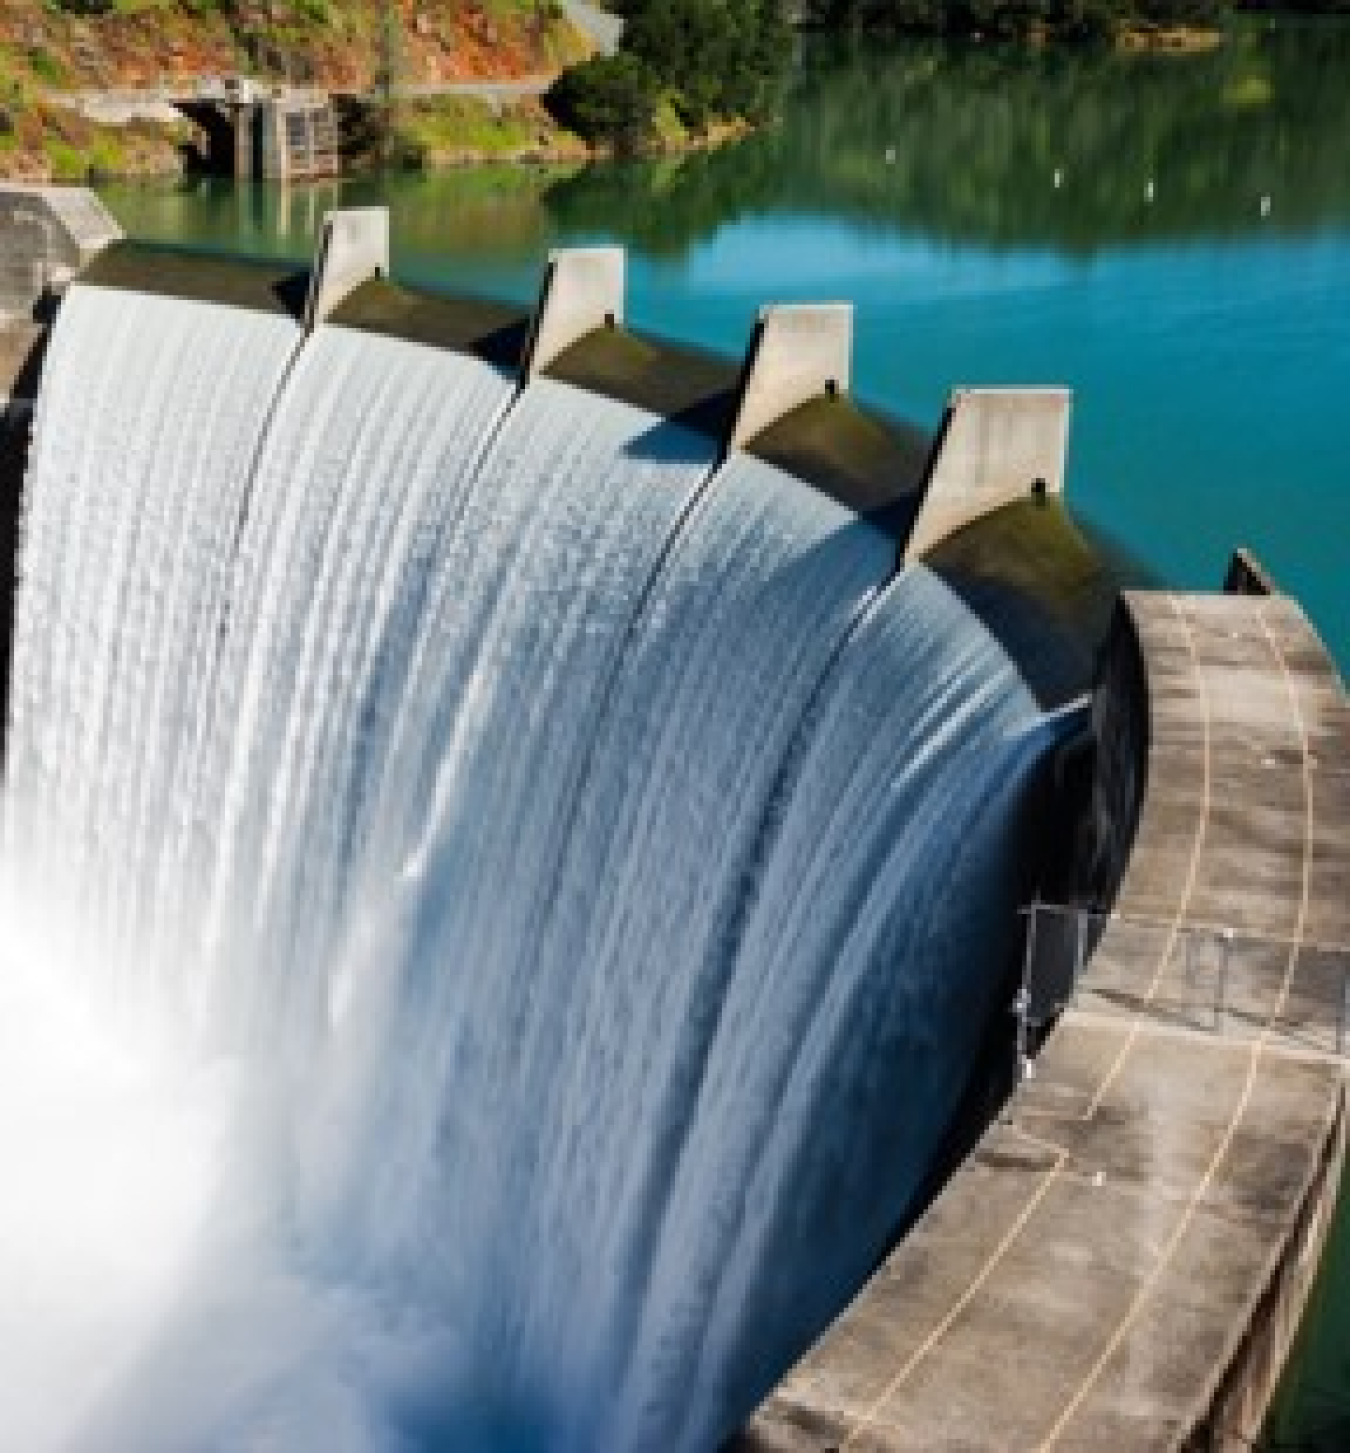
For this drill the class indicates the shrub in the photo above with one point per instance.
(607, 99)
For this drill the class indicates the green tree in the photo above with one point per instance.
(710, 59)
(608, 100)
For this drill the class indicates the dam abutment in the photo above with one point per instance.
(1122, 1259)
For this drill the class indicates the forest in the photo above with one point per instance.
(1058, 19)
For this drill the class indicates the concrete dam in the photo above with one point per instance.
(533, 856)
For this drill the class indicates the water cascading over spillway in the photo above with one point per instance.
(578, 885)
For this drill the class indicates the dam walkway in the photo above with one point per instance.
(1121, 1261)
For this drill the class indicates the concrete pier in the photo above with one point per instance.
(583, 290)
(995, 446)
(353, 249)
(1122, 1260)
(799, 352)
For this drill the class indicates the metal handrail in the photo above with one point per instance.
(1045, 992)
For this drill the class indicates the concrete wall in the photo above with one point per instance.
(1120, 731)
(1124, 1258)
(995, 446)
(47, 234)
(353, 248)
(1235, 1418)
(583, 289)
(800, 352)
(299, 137)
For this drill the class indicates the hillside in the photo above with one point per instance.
(62, 47)
(339, 44)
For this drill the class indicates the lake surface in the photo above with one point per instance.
(1168, 235)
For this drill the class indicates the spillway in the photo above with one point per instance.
(589, 867)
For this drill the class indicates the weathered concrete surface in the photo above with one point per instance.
(1120, 1262)
(1039, 587)
(299, 137)
(174, 273)
(682, 384)
(47, 234)
(800, 352)
(873, 465)
(994, 447)
(583, 289)
(353, 248)
(496, 332)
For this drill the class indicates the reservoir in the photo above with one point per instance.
(1168, 235)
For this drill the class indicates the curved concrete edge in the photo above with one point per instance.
(798, 352)
(995, 445)
(79, 213)
(1238, 1404)
(1122, 1260)
(583, 289)
(47, 236)
(353, 247)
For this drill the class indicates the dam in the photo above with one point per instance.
(318, 575)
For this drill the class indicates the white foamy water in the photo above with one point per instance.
(508, 918)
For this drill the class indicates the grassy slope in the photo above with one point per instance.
(338, 44)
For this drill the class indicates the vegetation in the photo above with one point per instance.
(436, 131)
(340, 44)
(704, 61)
(1061, 19)
(1053, 147)
(1006, 19)
(345, 46)
(40, 142)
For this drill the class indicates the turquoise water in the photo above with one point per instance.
(997, 217)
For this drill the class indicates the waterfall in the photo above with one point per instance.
(567, 880)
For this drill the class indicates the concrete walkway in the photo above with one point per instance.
(1121, 1262)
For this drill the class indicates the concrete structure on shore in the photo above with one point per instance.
(257, 132)
(1121, 1259)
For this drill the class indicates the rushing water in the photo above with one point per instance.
(1169, 235)
(540, 896)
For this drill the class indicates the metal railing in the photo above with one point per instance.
(1195, 975)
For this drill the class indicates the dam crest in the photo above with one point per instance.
(360, 549)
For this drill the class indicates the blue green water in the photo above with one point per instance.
(997, 216)
(1169, 235)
